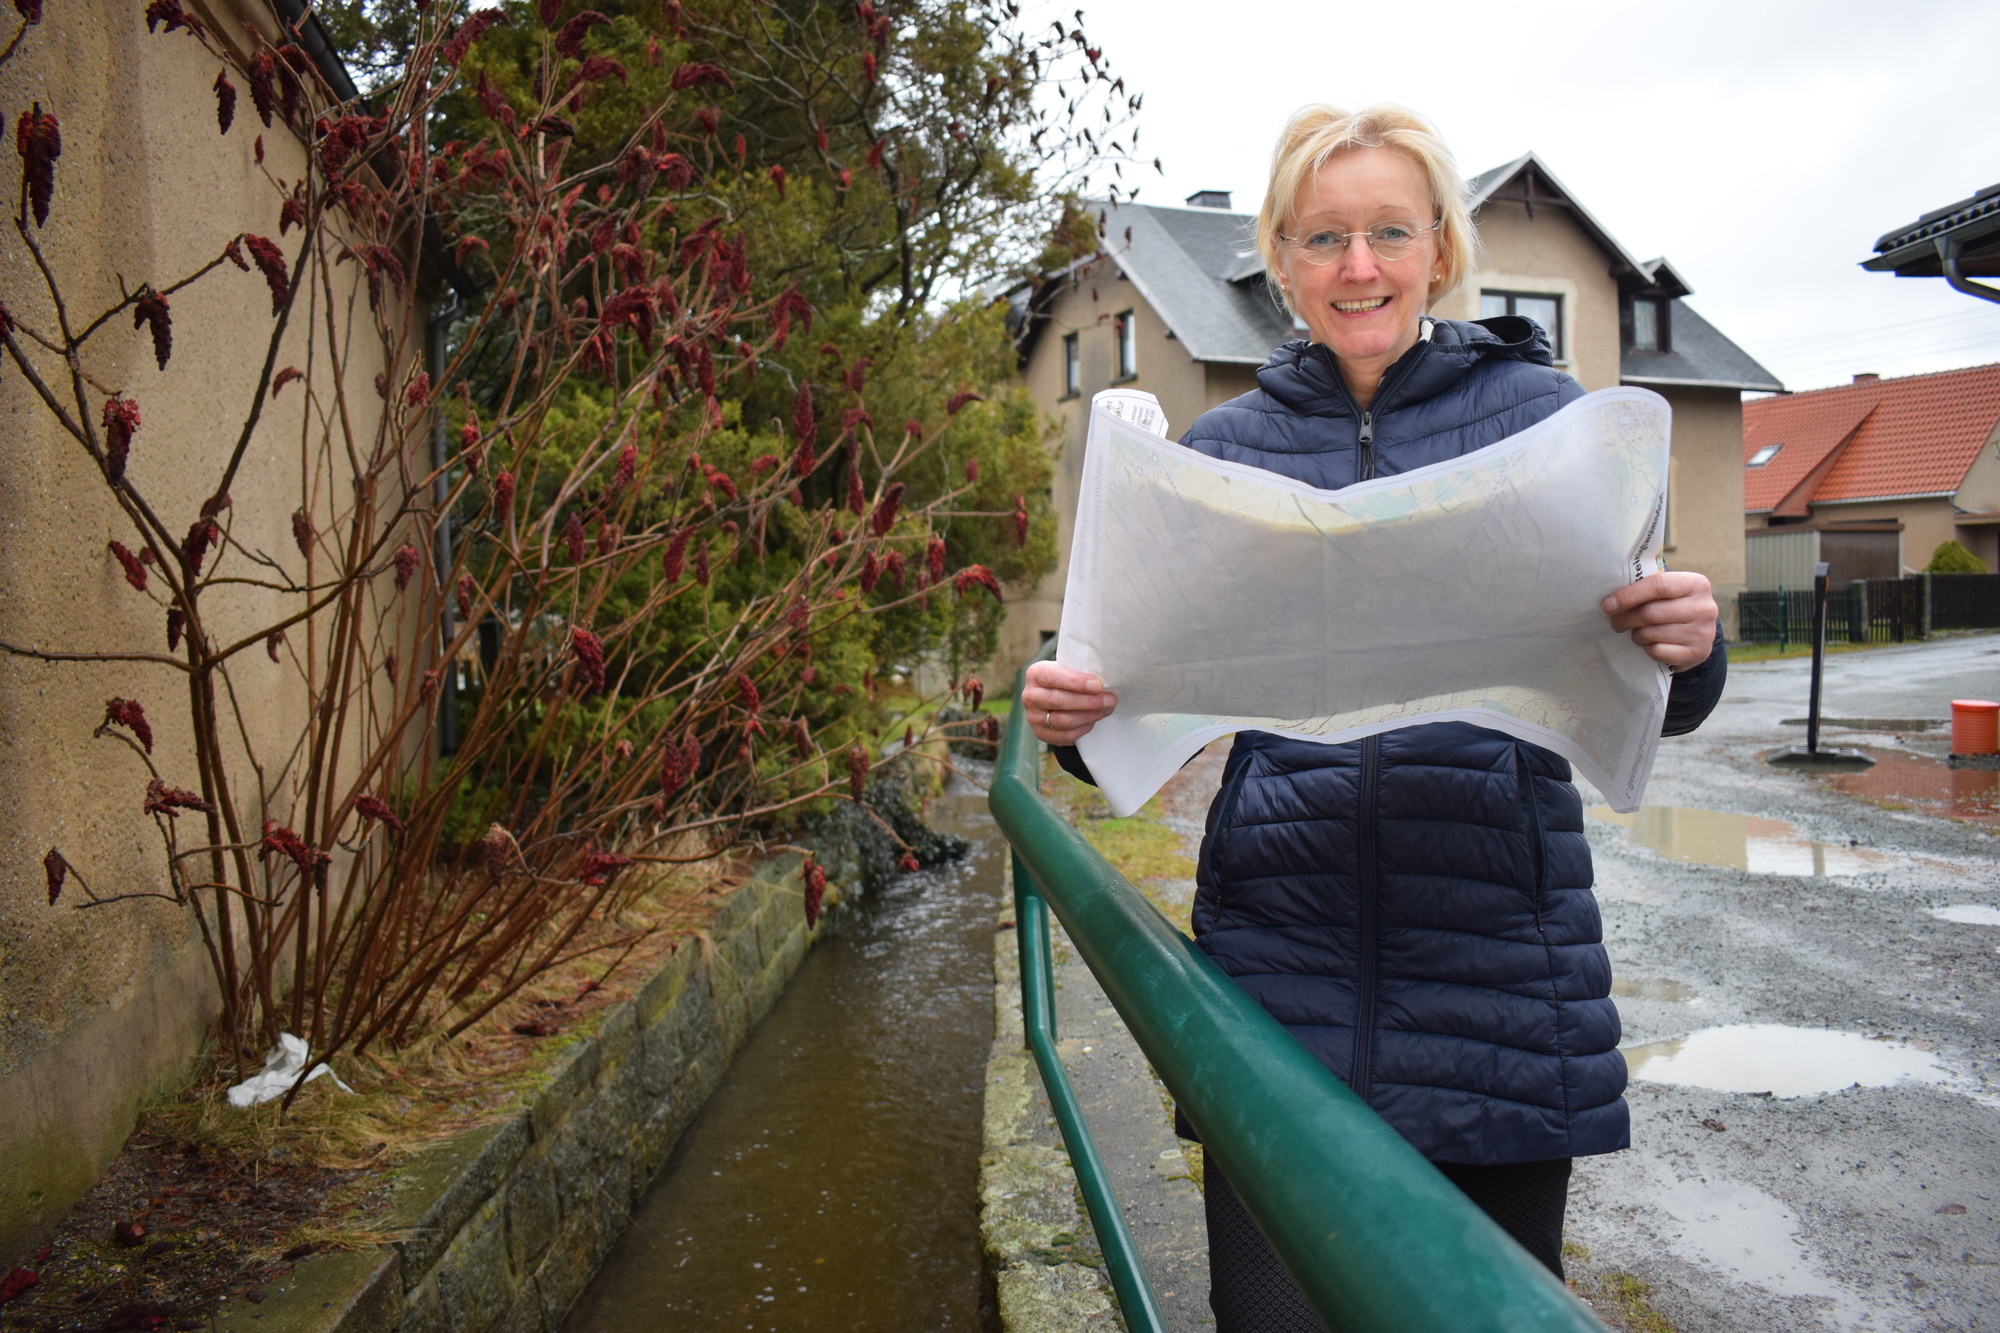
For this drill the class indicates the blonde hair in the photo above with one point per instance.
(1316, 133)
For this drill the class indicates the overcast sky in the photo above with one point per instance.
(1760, 146)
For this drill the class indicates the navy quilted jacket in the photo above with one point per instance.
(1415, 907)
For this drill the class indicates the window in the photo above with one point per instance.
(1126, 330)
(1764, 455)
(1649, 329)
(1072, 368)
(1544, 309)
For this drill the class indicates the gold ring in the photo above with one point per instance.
(1049, 720)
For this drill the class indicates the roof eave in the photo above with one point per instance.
(1919, 258)
(1882, 499)
(1746, 386)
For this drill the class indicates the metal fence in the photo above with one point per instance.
(1872, 610)
(1375, 1237)
(1785, 616)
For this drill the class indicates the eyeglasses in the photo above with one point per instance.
(1389, 240)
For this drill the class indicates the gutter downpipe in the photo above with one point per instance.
(1948, 248)
(1376, 1239)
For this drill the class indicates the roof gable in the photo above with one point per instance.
(1527, 180)
(1911, 436)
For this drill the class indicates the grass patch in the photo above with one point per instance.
(1620, 1299)
(1770, 652)
(1141, 847)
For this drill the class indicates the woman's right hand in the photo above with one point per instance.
(1063, 704)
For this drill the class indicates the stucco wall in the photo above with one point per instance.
(1550, 254)
(102, 1006)
(1705, 499)
(1087, 308)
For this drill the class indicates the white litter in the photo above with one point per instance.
(1213, 597)
(281, 1069)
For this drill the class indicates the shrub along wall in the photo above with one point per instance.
(502, 1227)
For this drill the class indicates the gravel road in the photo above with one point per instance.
(1830, 1158)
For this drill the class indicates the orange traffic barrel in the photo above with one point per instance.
(1975, 726)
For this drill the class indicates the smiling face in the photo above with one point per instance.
(1364, 309)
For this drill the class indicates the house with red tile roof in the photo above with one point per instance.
(1871, 477)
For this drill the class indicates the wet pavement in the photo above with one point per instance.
(1808, 972)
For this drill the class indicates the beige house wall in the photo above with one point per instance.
(1979, 493)
(1185, 387)
(1705, 490)
(1549, 254)
(1979, 489)
(99, 1008)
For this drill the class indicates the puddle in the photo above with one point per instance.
(1748, 1235)
(1966, 914)
(1652, 988)
(1737, 842)
(1782, 1061)
(1927, 784)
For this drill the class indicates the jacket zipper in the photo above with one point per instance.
(1364, 462)
(1527, 780)
(1368, 888)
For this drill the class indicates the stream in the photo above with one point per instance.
(831, 1183)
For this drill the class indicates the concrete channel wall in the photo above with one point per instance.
(501, 1228)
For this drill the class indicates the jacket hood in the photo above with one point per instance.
(1301, 374)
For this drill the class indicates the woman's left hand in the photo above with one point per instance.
(1671, 615)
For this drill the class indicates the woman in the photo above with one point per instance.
(1414, 907)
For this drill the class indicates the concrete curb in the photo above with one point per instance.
(1040, 1249)
(503, 1227)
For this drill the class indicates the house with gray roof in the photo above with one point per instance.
(1176, 303)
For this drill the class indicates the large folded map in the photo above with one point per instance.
(1214, 597)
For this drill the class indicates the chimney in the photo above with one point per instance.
(1866, 377)
(1209, 199)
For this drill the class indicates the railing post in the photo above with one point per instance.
(1038, 1023)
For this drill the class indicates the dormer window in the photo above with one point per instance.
(1649, 324)
(1764, 455)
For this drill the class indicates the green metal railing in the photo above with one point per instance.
(1375, 1238)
